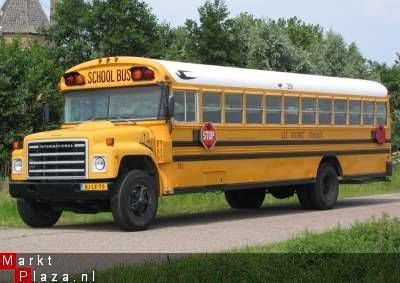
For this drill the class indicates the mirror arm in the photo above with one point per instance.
(45, 115)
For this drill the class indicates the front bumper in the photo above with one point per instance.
(61, 191)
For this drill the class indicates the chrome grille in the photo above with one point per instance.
(61, 159)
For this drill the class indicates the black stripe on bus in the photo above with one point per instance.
(276, 142)
(272, 184)
(241, 186)
(265, 155)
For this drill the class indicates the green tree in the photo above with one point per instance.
(270, 48)
(180, 46)
(390, 77)
(85, 30)
(301, 34)
(24, 74)
(70, 35)
(123, 27)
(211, 40)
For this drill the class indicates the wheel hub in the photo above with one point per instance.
(139, 200)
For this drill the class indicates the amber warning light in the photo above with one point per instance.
(142, 74)
(74, 79)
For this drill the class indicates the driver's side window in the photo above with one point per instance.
(185, 106)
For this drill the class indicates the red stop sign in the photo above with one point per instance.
(208, 135)
(380, 134)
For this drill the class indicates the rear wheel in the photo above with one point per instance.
(326, 189)
(134, 203)
(37, 214)
(245, 199)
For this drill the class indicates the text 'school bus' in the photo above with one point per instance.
(136, 129)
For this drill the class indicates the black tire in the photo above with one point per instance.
(37, 214)
(282, 193)
(135, 201)
(245, 199)
(326, 189)
(304, 196)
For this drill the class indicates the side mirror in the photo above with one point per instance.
(171, 106)
(45, 114)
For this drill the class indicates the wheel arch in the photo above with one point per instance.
(140, 162)
(334, 161)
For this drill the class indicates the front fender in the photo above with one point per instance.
(139, 150)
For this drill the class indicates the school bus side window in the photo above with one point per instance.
(254, 109)
(381, 113)
(368, 113)
(355, 112)
(325, 111)
(340, 112)
(274, 109)
(212, 107)
(233, 108)
(309, 109)
(185, 106)
(291, 110)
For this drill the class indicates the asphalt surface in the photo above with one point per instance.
(204, 232)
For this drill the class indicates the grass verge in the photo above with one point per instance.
(193, 203)
(366, 252)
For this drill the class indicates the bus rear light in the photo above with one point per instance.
(74, 79)
(142, 74)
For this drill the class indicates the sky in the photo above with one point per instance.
(372, 24)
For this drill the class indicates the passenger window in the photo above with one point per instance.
(325, 111)
(340, 112)
(309, 109)
(212, 107)
(254, 109)
(233, 108)
(274, 109)
(368, 118)
(355, 112)
(291, 110)
(185, 106)
(381, 113)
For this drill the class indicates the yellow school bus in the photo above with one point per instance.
(137, 129)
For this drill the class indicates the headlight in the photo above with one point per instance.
(17, 166)
(99, 164)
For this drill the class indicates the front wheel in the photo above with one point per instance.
(245, 199)
(37, 214)
(134, 202)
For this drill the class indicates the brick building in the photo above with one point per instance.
(24, 19)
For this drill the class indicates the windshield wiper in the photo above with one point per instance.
(99, 119)
(121, 119)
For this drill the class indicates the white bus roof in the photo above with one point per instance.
(218, 76)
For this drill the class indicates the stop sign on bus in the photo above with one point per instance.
(208, 136)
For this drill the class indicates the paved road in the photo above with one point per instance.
(205, 232)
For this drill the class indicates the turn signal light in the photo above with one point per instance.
(16, 145)
(74, 79)
(110, 141)
(142, 74)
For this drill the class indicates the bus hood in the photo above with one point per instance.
(97, 132)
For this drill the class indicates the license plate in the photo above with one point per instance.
(95, 187)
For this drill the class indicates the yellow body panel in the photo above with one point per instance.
(280, 154)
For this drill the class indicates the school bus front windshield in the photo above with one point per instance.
(139, 103)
